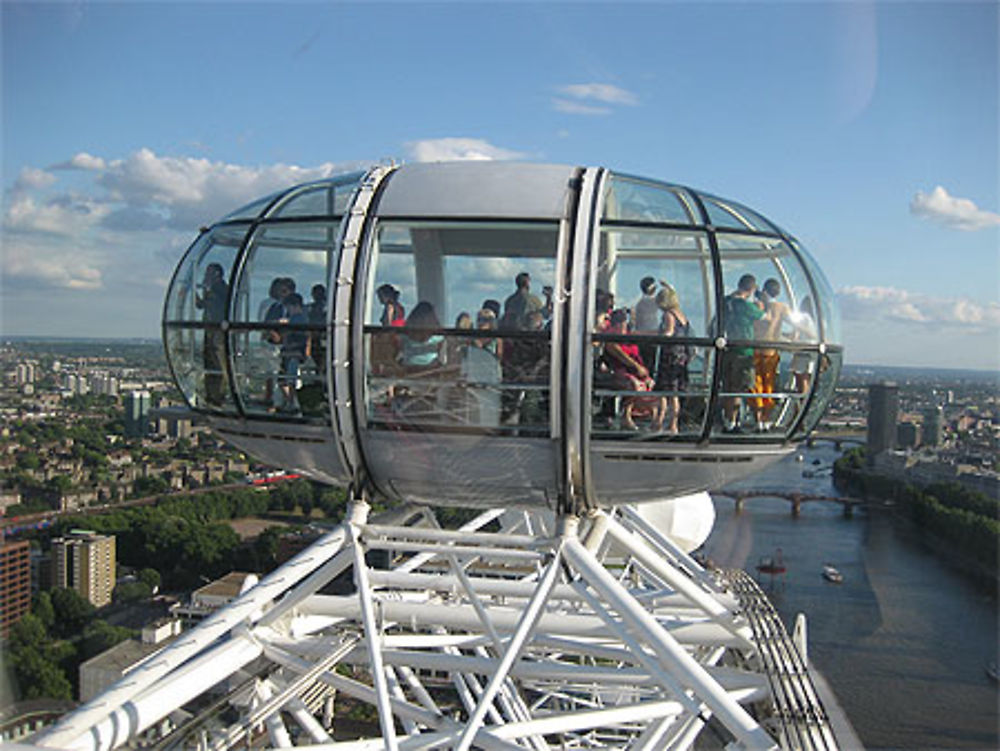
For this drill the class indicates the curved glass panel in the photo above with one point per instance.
(766, 299)
(778, 287)
(827, 299)
(279, 315)
(316, 201)
(728, 215)
(195, 312)
(761, 391)
(442, 350)
(253, 209)
(634, 200)
(671, 402)
(655, 293)
(678, 265)
(827, 371)
(731, 215)
(195, 293)
(198, 359)
(327, 198)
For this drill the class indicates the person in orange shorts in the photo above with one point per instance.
(766, 361)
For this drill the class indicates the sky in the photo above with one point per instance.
(868, 130)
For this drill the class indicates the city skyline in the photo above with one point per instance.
(867, 130)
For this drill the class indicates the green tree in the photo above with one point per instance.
(151, 485)
(100, 636)
(72, 612)
(151, 578)
(28, 460)
(28, 633)
(37, 677)
(42, 607)
(132, 591)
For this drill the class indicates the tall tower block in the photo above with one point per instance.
(883, 408)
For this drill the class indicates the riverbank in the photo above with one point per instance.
(902, 641)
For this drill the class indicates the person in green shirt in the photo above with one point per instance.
(740, 309)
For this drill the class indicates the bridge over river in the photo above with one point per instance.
(839, 439)
(795, 498)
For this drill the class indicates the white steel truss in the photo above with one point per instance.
(514, 631)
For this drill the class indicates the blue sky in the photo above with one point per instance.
(869, 130)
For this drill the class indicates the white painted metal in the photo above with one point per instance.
(465, 642)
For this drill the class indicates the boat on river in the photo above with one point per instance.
(992, 671)
(831, 574)
(772, 564)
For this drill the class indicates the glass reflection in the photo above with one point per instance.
(828, 300)
(828, 367)
(216, 250)
(198, 362)
(632, 199)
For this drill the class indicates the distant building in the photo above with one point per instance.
(883, 409)
(933, 433)
(103, 383)
(137, 404)
(907, 435)
(15, 583)
(104, 670)
(25, 373)
(214, 595)
(85, 561)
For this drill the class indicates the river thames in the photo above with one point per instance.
(905, 638)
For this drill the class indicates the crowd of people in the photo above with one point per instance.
(502, 371)
(290, 347)
(501, 357)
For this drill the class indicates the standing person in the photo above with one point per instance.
(739, 312)
(521, 302)
(316, 313)
(529, 368)
(295, 348)
(767, 361)
(212, 303)
(275, 311)
(672, 368)
(481, 371)
(458, 345)
(646, 319)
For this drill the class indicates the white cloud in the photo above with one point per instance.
(873, 304)
(82, 161)
(958, 213)
(578, 108)
(64, 215)
(98, 236)
(600, 92)
(191, 191)
(458, 149)
(32, 178)
(35, 265)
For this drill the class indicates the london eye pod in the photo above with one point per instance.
(413, 366)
